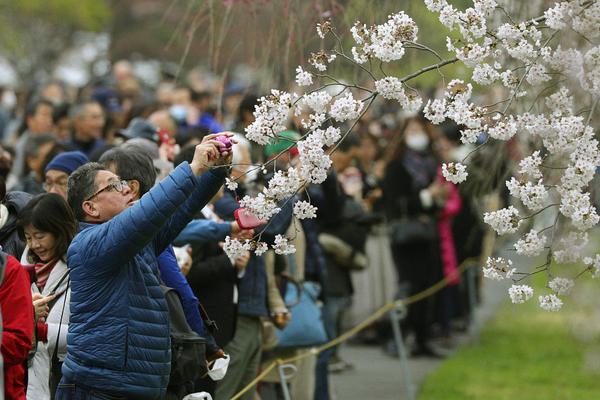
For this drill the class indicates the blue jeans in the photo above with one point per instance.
(68, 390)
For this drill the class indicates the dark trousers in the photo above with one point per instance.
(68, 390)
(419, 267)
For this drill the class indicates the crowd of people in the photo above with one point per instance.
(112, 200)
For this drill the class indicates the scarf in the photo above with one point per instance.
(420, 167)
(42, 272)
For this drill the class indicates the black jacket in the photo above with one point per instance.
(9, 238)
(213, 280)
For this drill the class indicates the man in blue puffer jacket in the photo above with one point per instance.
(118, 342)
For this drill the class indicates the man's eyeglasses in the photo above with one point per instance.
(60, 185)
(118, 186)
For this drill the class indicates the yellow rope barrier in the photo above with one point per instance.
(364, 324)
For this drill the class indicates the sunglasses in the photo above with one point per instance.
(117, 186)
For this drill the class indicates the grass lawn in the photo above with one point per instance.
(526, 353)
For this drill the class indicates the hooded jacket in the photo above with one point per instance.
(9, 238)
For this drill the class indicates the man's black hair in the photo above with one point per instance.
(60, 111)
(33, 106)
(352, 140)
(132, 163)
(33, 144)
(186, 154)
(247, 104)
(81, 185)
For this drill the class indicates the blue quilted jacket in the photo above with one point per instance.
(118, 336)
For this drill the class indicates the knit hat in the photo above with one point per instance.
(281, 144)
(67, 162)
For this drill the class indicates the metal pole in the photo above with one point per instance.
(284, 378)
(396, 315)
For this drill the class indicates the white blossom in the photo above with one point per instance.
(328, 136)
(345, 108)
(485, 74)
(530, 166)
(519, 294)
(532, 244)
(504, 129)
(317, 101)
(505, 220)
(304, 210)
(454, 172)
(561, 286)
(498, 268)
(590, 77)
(314, 121)
(555, 16)
(550, 302)
(593, 264)
(282, 246)
(435, 110)
(261, 248)
(271, 115)
(570, 247)
(283, 184)
(470, 136)
(537, 75)
(235, 248)
(261, 206)
(303, 78)
(315, 162)
(576, 206)
(231, 184)
(533, 196)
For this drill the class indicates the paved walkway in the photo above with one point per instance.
(378, 376)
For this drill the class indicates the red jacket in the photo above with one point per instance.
(17, 327)
(447, 247)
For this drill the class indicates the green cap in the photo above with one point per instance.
(281, 144)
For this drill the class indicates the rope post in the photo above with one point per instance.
(397, 314)
(283, 377)
(472, 293)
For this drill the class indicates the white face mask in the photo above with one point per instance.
(219, 368)
(417, 141)
(9, 100)
(178, 112)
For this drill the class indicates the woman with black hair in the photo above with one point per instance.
(412, 198)
(48, 226)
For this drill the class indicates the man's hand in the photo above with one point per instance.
(219, 354)
(241, 262)
(40, 305)
(187, 264)
(207, 153)
(239, 233)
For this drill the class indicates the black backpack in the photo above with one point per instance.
(188, 349)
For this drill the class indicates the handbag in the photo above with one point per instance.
(408, 230)
(306, 328)
(55, 364)
(188, 349)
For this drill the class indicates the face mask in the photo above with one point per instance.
(178, 112)
(219, 369)
(9, 100)
(417, 142)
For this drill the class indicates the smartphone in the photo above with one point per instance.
(247, 220)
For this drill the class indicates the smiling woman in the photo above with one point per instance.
(48, 226)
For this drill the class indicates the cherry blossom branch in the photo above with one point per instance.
(427, 69)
